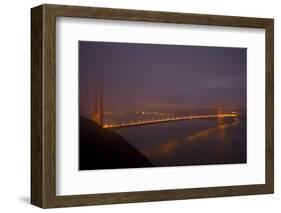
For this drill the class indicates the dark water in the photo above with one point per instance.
(192, 142)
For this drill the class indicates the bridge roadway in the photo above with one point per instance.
(162, 120)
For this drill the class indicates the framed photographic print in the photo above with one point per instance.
(135, 106)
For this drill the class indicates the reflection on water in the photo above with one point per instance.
(220, 128)
(193, 142)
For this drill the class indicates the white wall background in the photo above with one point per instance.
(15, 105)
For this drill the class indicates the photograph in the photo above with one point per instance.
(157, 105)
(136, 105)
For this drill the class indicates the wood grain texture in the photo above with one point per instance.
(269, 118)
(36, 106)
(43, 105)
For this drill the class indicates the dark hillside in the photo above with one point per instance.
(101, 148)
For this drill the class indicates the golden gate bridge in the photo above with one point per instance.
(97, 115)
(171, 119)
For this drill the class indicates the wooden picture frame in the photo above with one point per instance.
(43, 105)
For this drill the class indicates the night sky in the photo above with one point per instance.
(153, 76)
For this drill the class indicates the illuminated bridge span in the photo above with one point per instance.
(162, 120)
(97, 114)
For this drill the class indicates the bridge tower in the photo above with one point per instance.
(220, 115)
(97, 113)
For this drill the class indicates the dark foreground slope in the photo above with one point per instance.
(101, 148)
